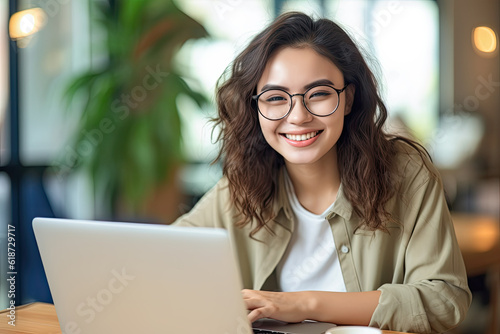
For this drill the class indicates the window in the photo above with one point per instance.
(403, 38)
(46, 63)
(4, 84)
(4, 147)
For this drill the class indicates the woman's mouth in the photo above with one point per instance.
(302, 137)
(302, 140)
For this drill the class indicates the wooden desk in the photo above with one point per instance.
(41, 318)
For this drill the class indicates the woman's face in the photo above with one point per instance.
(294, 69)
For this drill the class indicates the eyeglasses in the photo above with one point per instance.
(275, 104)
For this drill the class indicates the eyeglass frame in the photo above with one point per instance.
(339, 91)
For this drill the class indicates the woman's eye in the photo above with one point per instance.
(319, 94)
(275, 99)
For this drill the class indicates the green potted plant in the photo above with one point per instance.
(129, 133)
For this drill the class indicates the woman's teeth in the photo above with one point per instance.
(302, 137)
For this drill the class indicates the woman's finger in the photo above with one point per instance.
(247, 293)
(258, 313)
(253, 303)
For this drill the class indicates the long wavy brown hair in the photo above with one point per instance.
(365, 153)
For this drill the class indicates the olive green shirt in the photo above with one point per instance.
(417, 265)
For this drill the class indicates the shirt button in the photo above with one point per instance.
(344, 249)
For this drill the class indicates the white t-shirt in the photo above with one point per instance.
(310, 261)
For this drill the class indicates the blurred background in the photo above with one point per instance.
(105, 108)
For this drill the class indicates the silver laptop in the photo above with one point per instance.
(111, 277)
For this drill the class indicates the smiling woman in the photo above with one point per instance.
(376, 25)
(318, 185)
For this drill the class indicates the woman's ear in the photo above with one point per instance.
(349, 98)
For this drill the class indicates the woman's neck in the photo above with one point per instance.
(316, 185)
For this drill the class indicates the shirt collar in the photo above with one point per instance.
(342, 206)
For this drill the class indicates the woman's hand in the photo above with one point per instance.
(284, 306)
(345, 308)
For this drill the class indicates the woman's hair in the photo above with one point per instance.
(365, 152)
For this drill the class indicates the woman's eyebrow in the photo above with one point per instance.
(318, 83)
(306, 87)
(271, 86)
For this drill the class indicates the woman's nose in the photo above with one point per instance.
(299, 114)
